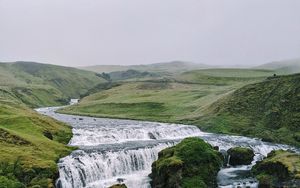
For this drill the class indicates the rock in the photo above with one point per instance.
(191, 163)
(118, 186)
(80, 118)
(47, 134)
(279, 169)
(240, 156)
(151, 136)
(216, 148)
(120, 180)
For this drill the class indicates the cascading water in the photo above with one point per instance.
(94, 168)
(112, 151)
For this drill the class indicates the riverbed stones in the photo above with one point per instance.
(240, 156)
(279, 169)
(191, 163)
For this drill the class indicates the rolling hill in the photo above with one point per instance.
(168, 99)
(251, 102)
(38, 84)
(268, 110)
(131, 75)
(30, 143)
(283, 67)
(168, 67)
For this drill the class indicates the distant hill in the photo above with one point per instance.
(167, 99)
(283, 67)
(170, 67)
(132, 75)
(37, 84)
(268, 110)
(223, 76)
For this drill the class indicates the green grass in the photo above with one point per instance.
(233, 101)
(23, 141)
(30, 143)
(268, 110)
(38, 84)
(174, 99)
(150, 101)
(279, 166)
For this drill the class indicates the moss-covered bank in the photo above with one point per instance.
(191, 163)
(279, 169)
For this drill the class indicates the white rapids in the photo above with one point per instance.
(112, 151)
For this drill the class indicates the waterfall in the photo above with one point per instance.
(112, 150)
(228, 160)
(85, 168)
(90, 135)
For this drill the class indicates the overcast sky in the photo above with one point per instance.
(89, 32)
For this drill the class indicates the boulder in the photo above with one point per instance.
(279, 169)
(240, 156)
(191, 163)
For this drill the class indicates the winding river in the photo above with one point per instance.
(113, 150)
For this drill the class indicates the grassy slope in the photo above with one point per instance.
(217, 100)
(26, 155)
(41, 84)
(133, 75)
(171, 67)
(172, 100)
(269, 110)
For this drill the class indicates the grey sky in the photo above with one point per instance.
(87, 32)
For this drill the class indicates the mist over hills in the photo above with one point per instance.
(284, 67)
(173, 67)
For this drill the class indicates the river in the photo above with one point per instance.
(112, 150)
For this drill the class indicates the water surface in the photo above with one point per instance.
(112, 150)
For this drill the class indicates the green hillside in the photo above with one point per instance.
(132, 75)
(235, 101)
(283, 67)
(30, 145)
(168, 67)
(268, 110)
(38, 84)
(170, 100)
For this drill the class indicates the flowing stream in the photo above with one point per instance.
(112, 151)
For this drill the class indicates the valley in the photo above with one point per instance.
(231, 101)
(261, 103)
(149, 94)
